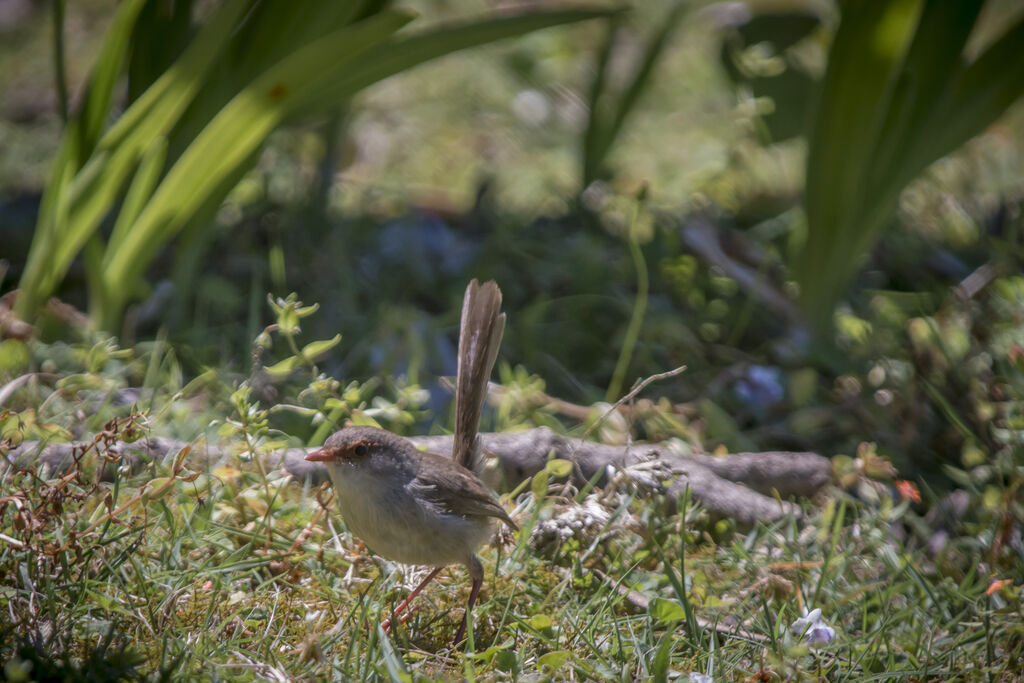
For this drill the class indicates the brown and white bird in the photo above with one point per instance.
(420, 508)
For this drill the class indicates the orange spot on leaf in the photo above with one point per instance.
(278, 91)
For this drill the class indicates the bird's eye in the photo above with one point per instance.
(361, 450)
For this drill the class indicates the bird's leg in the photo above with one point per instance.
(476, 571)
(386, 624)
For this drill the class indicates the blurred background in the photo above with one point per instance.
(648, 188)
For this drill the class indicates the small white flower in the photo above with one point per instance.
(814, 630)
(700, 678)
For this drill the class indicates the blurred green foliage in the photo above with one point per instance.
(192, 133)
(608, 111)
(899, 92)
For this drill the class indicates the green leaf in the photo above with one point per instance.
(361, 419)
(934, 55)
(172, 21)
(553, 661)
(35, 284)
(640, 80)
(239, 128)
(284, 367)
(153, 490)
(152, 114)
(327, 69)
(306, 311)
(316, 349)
(14, 357)
(558, 467)
(978, 94)
(490, 653)
(539, 486)
(896, 96)
(399, 54)
(139, 192)
(594, 134)
(540, 622)
(863, 70)
(722, 428)
(666, 611)
(397, 669)
(662, 658)
(105, 73)
(89, 195)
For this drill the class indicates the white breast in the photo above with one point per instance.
(398, 526)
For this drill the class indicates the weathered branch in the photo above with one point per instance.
(741, 486)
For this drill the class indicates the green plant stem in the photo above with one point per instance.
(639, 310)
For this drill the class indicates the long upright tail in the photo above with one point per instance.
(483, 324)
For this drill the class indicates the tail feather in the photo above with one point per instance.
(483, 324)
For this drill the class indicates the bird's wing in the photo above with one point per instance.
(455, 490)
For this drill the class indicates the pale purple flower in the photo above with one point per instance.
(813, 629)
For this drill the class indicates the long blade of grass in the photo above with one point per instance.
(162, 103)
(404, 53)
(934, 54)
(642, 78)
(862, 73)
(52, 210)
(146, 178)
(77, 143)
(95, 189)
(105, 74)
(596, 126)
(239, 129)
(978, 95)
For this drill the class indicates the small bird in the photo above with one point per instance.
(421, 508)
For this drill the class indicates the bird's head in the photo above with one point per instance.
(365, 449)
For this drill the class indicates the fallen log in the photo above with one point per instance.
(745, 487)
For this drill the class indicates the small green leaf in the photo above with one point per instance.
(540, 622)
(179, 459)
(662, 659)
(554, 660)
(490, 653)
(397, 669)
(666, 611)
(361, 419)
(335, 404)
(153, 492)
(319, 348)
(559, 467)
(307, 311)
(284, 367)
(539, 486)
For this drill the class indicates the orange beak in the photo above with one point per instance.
(324, 455)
